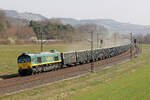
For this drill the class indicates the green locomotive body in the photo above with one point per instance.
(33, 62)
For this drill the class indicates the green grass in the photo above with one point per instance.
(126, 81)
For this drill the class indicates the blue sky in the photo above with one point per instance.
(132, 11)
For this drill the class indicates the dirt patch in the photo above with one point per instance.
(133, 70)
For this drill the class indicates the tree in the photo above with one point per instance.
(147, 39)
(53, 30)
(86, 29)
(24, 33)
(139, 37)
(115, 36)
(55, 21)
(4, 25)
(37, 28)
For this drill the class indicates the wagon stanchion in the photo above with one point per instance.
(131, 45)
(92, 62)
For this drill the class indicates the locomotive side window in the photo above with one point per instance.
(39, 60)
(56, 58)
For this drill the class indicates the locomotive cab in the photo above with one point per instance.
(24, 63)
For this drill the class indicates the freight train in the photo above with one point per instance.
(32, 63)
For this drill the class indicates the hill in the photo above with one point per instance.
(26, 15)
(112, 25)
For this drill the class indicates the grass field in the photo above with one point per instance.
(127, 81)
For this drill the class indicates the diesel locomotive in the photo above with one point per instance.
(32, 63)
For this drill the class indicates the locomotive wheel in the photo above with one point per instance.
(24, 72)
(29, 72)
(20, 72)
(34, 71)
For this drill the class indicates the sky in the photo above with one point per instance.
(128, 11)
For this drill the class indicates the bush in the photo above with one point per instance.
(11, 41)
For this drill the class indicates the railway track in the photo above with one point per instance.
(21, 83)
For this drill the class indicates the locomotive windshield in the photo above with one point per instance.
(24, 59)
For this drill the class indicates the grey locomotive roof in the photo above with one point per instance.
(32, 54)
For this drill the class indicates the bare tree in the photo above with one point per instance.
(139, 37)
(3, 25)
(24, 33)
